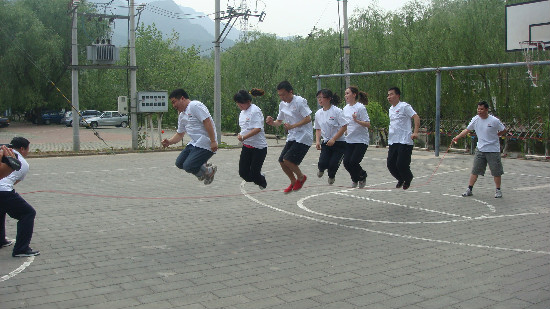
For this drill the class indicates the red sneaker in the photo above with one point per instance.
(298, 185)
(289, 189)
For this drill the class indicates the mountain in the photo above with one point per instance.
(164, 15)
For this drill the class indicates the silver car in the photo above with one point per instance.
(109, 118)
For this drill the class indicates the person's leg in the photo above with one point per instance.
(284, 167)
(324, 158)
(348, 153)
(245, 162)
(17, 208)
(336, 155)
(256, 164)
(404, 163)
(391, 162)
(2, 225)
(183, 156)
(194, 162)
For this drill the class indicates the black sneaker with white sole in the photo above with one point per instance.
(28, 252)
(7, 243)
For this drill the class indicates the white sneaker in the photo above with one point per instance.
(331, 180)
(498, 193)
(354, 185)
(320, 174)
(208, 178)
(468, 192)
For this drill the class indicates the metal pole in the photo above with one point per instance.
(74, 81)
(437, 111)
(318, 84)
(346, 43)
(217, 76)
(133, 77)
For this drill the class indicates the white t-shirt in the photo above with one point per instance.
(293, 113)
(6, 183)
(253, 118)
(329, 122)
(487, 132)
(401, 124)
(356, 133)
(190, 121)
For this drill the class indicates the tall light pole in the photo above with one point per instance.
(217, 75)
(346, 43)
(133, 77)
(74, 79)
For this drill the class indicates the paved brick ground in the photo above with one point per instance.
(133, 231)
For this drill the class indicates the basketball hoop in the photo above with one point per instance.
(532, 51)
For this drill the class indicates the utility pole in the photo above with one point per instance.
(133, 77)
(74, 80)
(346, 43)
(232, 16)
(217, 76)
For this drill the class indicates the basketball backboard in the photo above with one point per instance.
(528, 21)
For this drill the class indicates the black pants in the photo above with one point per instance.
(250, 165)
(399, 162)
(352, 161)
(16, 207)
(331, 157)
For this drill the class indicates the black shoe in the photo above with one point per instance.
(406, 185)
(28, 252)
(399, 184)
(7, 243)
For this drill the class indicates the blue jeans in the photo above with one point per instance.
(192, 158)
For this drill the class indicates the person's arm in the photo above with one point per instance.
(416, 119)
(5, 169)
(337, 135)
(172, 140)
(251, 133)
(318, 139)
(501, 133)
(211, 133)
(272, 122)
(361, 123)
(300, 123)
(460, 135)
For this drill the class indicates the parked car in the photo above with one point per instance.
(4, 122)
(89, 113)
(109, 118)
(52, 117)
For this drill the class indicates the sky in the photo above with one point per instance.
(292, 17)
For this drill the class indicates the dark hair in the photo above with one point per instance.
(178, 93)
(19, 142)
(484, 103)
(360, 96)
(396, 90)
(242, 97)
(285, 85)
(327, 93)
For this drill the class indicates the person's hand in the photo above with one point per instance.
(269, 120)
(331, 142)
(288, 126)
(414, 136)
(214, 146)
(165, 143)
(240, 138)
(318, 145)
(455, 140)
(6, 152)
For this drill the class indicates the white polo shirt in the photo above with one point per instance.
(294, 112)
(487, 132)
(356, 133)
(329, 122)
(6, 183)
(190, 122)
(253, 118)
(401, 124)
